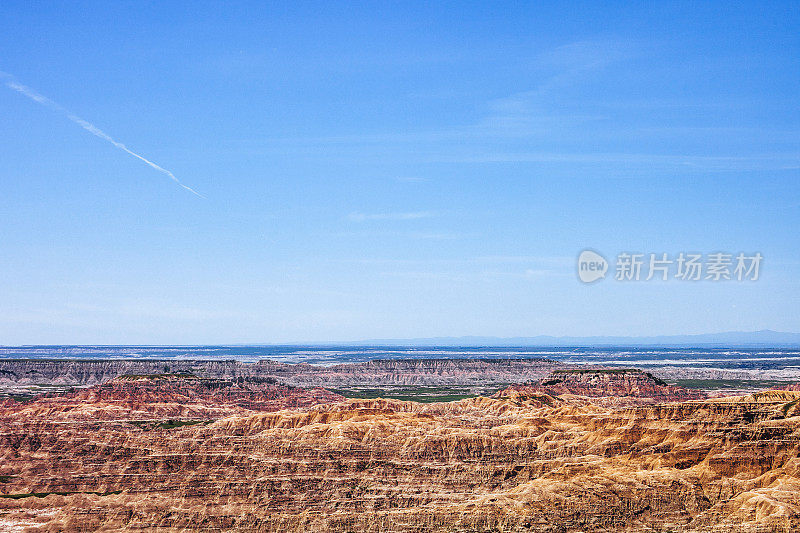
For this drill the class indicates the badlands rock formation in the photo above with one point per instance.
(169, 396)
(611, 387)
(377, 373)
(525, 460)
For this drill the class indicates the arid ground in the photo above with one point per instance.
(568, 451)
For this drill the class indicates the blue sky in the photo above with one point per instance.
(374, 170)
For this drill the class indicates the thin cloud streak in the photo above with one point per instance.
(91, 128)
(362, 217)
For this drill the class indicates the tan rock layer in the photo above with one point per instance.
(407, 372)
(522, 461)
(609, 387)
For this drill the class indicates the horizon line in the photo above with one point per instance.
(536, 341)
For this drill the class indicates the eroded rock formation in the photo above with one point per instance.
(162, 396)
(379, 372)
(609, 386)
(525, 460)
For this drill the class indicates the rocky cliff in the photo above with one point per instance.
(95, 371)
(607, 386)
(517, 462)
(168, 396)
(379, 372)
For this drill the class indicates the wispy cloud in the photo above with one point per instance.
(581, 56)
(564, 123)
(533, 109)
(778, 161)
(91, 128)
(414, 215)
(541, 107)
(423, 235)
(531, 261)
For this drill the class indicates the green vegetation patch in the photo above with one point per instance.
(552, 382)
(147, 425)
(22, 398)
(420, 394)
(135, 377)
(598, 371)
(739, 384)
(171, 424)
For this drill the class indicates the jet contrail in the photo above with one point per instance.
(91, 128)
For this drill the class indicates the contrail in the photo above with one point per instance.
(91, 128)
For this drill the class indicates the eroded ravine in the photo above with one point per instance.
(236, 459)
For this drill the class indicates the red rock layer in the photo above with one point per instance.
(168, 396)
(610, 387)
(518, 462)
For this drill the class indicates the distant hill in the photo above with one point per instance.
(763, 337)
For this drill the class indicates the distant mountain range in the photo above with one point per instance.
(763, 337)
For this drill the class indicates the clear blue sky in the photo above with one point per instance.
(405, 169)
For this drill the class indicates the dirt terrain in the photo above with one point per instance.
(573, 452)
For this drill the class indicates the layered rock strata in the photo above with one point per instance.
(525, 460)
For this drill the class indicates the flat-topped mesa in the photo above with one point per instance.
(67, 372)
(412, 372)
(627, 385)
(246, 391)
(183, 396)
(422, 371)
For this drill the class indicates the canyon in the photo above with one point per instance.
(377, 372)
(570, 451)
